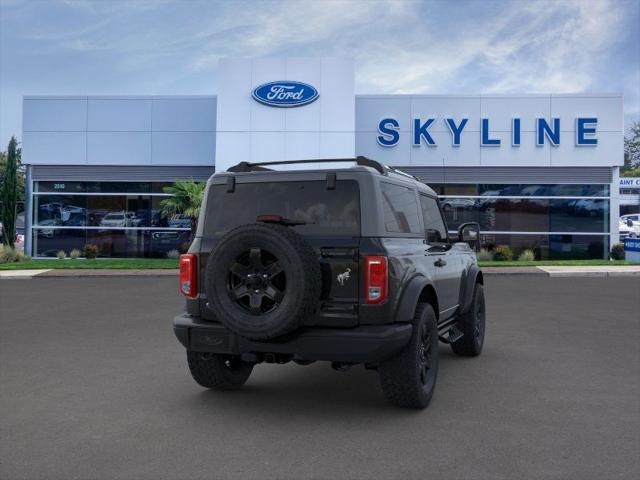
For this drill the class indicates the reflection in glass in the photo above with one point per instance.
(322, 211)
(523, 190)
(107, 211)
(60, 210)
(551, 247)
(48, 241)
(138, 243)
(528, 215)
(59, 223)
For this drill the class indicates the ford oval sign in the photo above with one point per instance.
(285, 93)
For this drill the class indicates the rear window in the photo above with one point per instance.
(400, 209)
(327, 212)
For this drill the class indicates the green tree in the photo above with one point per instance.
(9, 193)
(631, 166)
(187, 199)
(19, 172)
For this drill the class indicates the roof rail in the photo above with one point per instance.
(262, 166)
(402, 172)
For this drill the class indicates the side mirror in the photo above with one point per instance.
(469, 233)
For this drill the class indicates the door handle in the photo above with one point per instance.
(440, 263)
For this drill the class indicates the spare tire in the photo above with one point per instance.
(262, 281)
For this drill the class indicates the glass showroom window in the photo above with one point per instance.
(551, 247)
(557, 221)
(123, 219)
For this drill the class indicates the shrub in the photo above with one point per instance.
(173, 254)
(484, 255)
(75, 253)
(503, 253)
(61, 255)
(22, 257)
(11, 255)
(617, 252)
(527, 256)
(90, 251)
(7, 254)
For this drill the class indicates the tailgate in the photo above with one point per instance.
(340, 285)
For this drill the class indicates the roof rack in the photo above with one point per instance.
(261, 166)
(402, 172)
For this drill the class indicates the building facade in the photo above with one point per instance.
(536, 171)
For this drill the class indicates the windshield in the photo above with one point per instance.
(323, 211)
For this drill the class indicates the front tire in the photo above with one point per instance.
(472, 324)
(218, 372)
(409, 378)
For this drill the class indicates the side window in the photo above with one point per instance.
(400, 209)
(435, 229)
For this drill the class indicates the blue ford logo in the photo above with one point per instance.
(285, 93)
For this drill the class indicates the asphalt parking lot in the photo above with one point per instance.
(93, 384)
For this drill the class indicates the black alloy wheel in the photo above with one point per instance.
(479, 320)
(424, 356)
(263, 281)
(256, 281)
(472, 325)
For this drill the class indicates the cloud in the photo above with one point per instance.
(297, 28)
(537, 47)
(166, 46)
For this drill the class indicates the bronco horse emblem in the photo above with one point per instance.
(343, 277)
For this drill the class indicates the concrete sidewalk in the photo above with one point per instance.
(82, 272)
(593, 271)
(556, 271)
(14, 274)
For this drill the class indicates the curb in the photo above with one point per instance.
(595, 271)
(519, 271)
(157, 272)
(79, 273)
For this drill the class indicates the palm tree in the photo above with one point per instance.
(186, 199)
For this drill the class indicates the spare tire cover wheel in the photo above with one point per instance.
(263, 281)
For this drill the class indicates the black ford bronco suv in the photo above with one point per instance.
(348, 265)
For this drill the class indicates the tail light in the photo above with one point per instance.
(189, 275)
(376, 279)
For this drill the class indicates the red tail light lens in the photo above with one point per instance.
(376, 279)
(189, 275)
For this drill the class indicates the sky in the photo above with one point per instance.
(111, 47)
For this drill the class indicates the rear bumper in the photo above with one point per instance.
(353, 345)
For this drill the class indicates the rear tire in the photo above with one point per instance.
(409, 378)
(218, 372)
(472, 324)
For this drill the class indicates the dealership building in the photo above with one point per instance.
(536, 171)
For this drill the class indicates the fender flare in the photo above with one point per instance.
(469, 280)
(409, 298)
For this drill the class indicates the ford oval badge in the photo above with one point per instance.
(285, 93)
